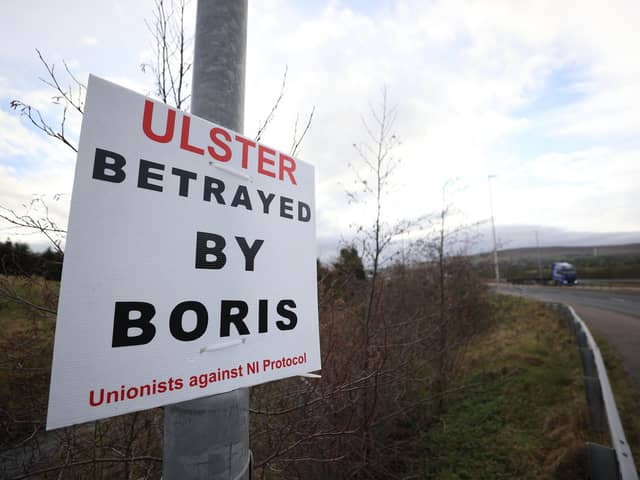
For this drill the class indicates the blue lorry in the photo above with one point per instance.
(563, 273)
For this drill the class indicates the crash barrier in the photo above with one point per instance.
(605, 463)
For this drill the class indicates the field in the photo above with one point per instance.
(26, 345)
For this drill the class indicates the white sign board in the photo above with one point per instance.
(190, 263)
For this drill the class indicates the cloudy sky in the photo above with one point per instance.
(545, 95)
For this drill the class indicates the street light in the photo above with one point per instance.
(538, 255)
(493, 227)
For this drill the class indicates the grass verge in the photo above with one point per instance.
(521, 412)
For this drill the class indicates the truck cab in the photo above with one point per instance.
(563, 273)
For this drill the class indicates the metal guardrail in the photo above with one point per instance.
(604, 463)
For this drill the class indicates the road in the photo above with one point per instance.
(612, 314)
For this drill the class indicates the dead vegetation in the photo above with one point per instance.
(349, 423)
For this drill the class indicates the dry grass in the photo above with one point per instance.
(521, 412)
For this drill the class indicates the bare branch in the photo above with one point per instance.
(275, 106)
(53, 82)
(297, 141)
(36, 219)
(36, 119)
(88, 462)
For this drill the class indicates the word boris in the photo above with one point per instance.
(110, 166)
(264, 159)
(132, 320)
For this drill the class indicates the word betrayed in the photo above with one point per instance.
(112, 167)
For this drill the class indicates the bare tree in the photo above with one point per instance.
(377, 157)
(173, 60)
(444, 252)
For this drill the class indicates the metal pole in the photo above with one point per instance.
(219, 62)
(208, 438)
(493, 227)
(538, 252)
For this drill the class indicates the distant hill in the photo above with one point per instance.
(598, 262)
(523, 236)
(568, 252)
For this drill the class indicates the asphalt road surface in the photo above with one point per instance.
(612, 314)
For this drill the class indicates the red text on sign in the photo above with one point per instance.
(262, 159)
